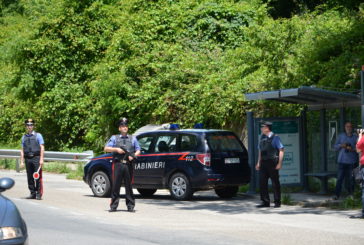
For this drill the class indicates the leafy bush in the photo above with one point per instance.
(7, 164)
(77, 66)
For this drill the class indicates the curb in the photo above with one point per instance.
(317, 204)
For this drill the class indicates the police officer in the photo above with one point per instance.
(269, 163)
(122, 168)
(32, 153)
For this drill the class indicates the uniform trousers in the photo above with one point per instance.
(268, 170)
(32, 164)
(122, 172)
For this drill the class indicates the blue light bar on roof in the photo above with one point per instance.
(198, 125)
(173, 126)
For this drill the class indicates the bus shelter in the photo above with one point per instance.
(295, 130)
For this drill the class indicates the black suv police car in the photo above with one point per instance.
(183, 161)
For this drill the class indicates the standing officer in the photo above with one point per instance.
(33, 153)
(269, 163)
(122, 165)
(347, 158)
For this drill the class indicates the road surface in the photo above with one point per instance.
(70, 214)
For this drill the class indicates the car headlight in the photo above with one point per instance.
(10, 233)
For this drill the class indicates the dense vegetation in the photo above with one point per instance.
(77, 66)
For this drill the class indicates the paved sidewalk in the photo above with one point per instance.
(305, 199)
(313, 199)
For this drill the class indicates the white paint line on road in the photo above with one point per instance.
(35, 203)
(107, 221)
(52, 207)
(77, 214)
(25, 201)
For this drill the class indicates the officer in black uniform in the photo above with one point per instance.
(122, 167)
(269, 163)
(32, 153)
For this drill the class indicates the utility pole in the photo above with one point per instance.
(362, 95)
(251, 151)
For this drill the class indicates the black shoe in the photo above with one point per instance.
(356, 217)
(131, 210)
(38, 197)
(263, 205)
(112, 210)
(277, 205)
(31, 196)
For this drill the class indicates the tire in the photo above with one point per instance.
(180, 187)
(100, 184)
(146, 192)
(227, 192)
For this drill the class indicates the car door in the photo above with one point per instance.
(161, 154)
(141, 175)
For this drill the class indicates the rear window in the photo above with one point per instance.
(224, 142)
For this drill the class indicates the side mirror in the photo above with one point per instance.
(6, 183)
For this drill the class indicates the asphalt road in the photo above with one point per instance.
(69, 214)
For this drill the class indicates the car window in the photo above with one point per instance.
(224, 142)
(165, 143)
(188, 143)
(145, 143)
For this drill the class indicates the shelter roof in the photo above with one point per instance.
(314, 98)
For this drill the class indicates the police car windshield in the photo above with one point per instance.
(223, 142)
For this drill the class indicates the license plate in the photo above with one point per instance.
(232, 160)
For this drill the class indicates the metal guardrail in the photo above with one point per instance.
(50, 156)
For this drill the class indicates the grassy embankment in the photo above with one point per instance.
(72, 171)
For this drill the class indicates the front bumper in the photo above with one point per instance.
(16, 241)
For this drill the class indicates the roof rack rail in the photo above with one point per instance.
(155, 127)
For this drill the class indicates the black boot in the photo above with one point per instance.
(263, 205)
(277, 205)
(38, 196)
(31, 196)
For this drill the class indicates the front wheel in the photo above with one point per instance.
(180, 187)
(100, 184)
(227, 192)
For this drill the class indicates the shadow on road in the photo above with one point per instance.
(243, 203)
